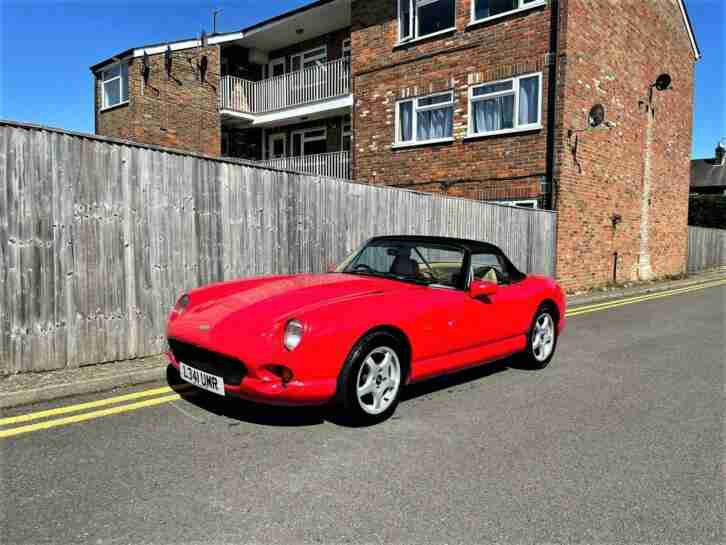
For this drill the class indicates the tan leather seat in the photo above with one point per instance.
(491, 276)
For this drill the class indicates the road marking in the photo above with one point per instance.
(631, 300)
(88, 416)
(89, 405)
(10, 432)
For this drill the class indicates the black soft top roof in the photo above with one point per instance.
(466, 244)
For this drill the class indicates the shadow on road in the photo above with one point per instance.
(269, 415)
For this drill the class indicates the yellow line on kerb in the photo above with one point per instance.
(88, 416)
(84, 406)
(629, 301)
(10, 432)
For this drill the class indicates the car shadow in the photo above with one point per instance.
(270, 415)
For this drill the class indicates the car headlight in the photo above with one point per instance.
(293, 334)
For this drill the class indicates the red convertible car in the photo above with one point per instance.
(399, 310)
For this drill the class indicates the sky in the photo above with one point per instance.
(46, 47)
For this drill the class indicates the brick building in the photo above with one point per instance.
(488, 99)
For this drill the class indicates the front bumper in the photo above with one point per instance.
(271, 391)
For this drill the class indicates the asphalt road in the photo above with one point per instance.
(619, 440)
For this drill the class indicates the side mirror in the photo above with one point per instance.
(480, 288)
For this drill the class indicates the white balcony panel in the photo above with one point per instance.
(315, 84)
(333, 165)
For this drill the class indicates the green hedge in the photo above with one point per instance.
(707, 211)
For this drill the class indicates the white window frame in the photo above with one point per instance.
(520, 203)
(271, 138)
(414, 121)
(120, 64)
(413, 23)
(304, 139)
(522, 6)
(271, 65)
(515, 91)
(320, 57)
(348, 133)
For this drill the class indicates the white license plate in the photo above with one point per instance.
(211, 383)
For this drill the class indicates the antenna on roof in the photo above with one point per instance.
(214, 20)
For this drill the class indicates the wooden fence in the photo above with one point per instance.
(98, 237)
(706, 248)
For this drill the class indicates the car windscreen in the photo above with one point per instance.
(433, 264)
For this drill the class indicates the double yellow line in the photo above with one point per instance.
(165, 394)
(577, 311)
(171, 395)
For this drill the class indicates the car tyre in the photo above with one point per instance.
(370, 383)
(541, 339)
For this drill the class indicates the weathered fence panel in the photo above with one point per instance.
(706, 248)
(99, 237)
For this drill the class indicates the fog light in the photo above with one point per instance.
(284, 373)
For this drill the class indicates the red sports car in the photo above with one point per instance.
(399, 310)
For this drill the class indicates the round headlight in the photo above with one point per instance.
(293, 334)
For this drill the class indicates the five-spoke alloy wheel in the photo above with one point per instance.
(542, 339)
(370, 383)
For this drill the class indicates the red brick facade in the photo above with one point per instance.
(609, 53)
(613, 52)
(179, 112)
(384, 72)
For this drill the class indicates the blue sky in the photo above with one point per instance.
(46, 47)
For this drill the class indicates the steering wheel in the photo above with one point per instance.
(363, 267)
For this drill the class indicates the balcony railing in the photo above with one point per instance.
(312, 84)
(333, 165)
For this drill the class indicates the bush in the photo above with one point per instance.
(707, 211)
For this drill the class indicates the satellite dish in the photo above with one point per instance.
(662, 82)
(596, 117)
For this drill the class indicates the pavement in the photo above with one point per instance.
(619, 440)
(29, 388)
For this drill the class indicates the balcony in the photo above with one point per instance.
(316, 84)
(333, 165)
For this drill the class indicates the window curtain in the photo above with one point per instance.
(494, 114)
(528, 101)
(406, 121)
(433, 124)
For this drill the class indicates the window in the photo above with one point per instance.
(346, 136)
(504, 106)
(420, 18)
(115, 85)
(309, 58)
(527, 203)
(490, 267)
(346, 48)
(429, 263)
(486, 9)
(425, 119)
(309, 142)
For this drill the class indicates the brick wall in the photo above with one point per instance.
(491, 167)
(179, 112)
(614, 51)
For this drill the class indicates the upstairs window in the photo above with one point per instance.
(486, 9)
(507, 105)
(115, 85)
(420, 18)
(425, 119)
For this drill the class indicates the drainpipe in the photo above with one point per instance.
(551, 106)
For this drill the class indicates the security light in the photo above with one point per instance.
(662, 82)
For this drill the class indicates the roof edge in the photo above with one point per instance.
(689, 29)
